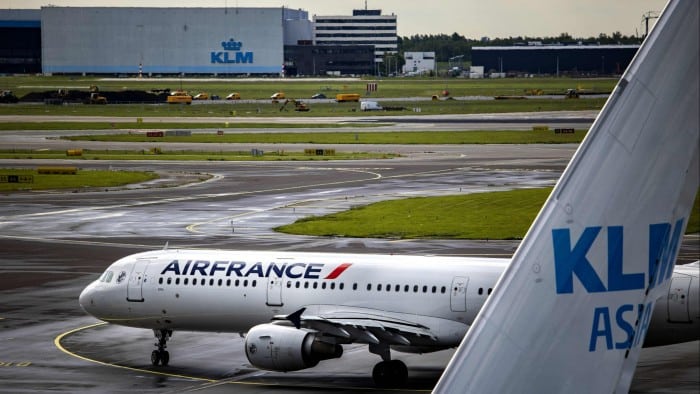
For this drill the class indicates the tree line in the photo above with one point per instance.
(446, 46)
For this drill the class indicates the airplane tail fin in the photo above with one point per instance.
(571, 311)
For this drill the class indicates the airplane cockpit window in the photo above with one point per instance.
(107, 277)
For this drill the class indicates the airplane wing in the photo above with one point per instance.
(361, 325)
(571, 311)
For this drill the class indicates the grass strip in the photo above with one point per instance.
(268, 109)
(82, 179)
(494, 215)
(158, 154)
(401, 138)
(14, 126)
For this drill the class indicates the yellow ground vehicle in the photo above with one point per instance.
(233, 96)
(96, 98)
(201, 96)
(344, 97)
(179, 97)
(277, 96)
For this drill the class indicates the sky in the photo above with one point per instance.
(470, 18)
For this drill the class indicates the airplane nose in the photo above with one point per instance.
(86, 300)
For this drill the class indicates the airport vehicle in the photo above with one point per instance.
(233, 96)
(299, 106)
(201, 96)
(347, 97)
(277, 97)
(179, 97)
(573, 309)
(612, 226)
(318, 96)
(370, 106)
(96, 98)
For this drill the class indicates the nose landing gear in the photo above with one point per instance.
(161, 356)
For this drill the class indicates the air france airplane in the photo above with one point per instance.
(298, 309)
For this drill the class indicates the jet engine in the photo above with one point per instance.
(283, 348)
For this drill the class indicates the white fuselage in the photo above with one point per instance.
(232, 291)
(229, 291)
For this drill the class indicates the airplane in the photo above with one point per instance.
(300, 308)
(572, 310)
(297, 309)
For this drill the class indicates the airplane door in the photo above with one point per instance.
(458, 295)
(678, 308)
(274, 290)
(134, 289)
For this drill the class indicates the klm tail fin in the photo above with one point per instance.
(571, 311)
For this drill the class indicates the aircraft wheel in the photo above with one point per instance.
(155, 357)
(390, 374)
(165, 358)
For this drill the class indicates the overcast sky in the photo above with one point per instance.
(471, 18)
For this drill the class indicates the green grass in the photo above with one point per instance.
(14, 126)
(301, 88)
(494, 215)
(412, 137)
(266, 109)
(162, 154)
(83, 178)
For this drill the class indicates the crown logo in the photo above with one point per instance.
(232, 45)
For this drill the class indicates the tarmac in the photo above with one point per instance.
(52, 244)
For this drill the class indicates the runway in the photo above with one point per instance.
(53, 244)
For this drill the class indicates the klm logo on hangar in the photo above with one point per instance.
(231, 54)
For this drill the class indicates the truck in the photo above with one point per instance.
(347, 97)
(179, 97)
(370, 106)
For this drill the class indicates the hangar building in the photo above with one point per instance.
(116, 40)
(555, 59)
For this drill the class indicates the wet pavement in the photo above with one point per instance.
(54, 244)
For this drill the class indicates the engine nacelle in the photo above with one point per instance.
(283, 348)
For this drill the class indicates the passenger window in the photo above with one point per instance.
(434, 289)
(379, 287)
(489, 293)
(397, 288)
(443, 290)
(170, 280)
(186, 280)
(228, 282)
(388, 287)
(289, 284)
(415, 288)
(297, 285)
(332, 285)
(255, 283)
(306, 285)
(315, 285)
(211, 282)
(405, 288)
(160, 281)
(220, 282)
(481, 291)
(323, 285)
(245, 283)
(369, 286)
(194, 281)
(341, 285)
(354, 286)
(177, 281)
(238, 283)
(425, 289)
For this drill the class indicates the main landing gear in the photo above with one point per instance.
(388, 373)
(161, 356)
